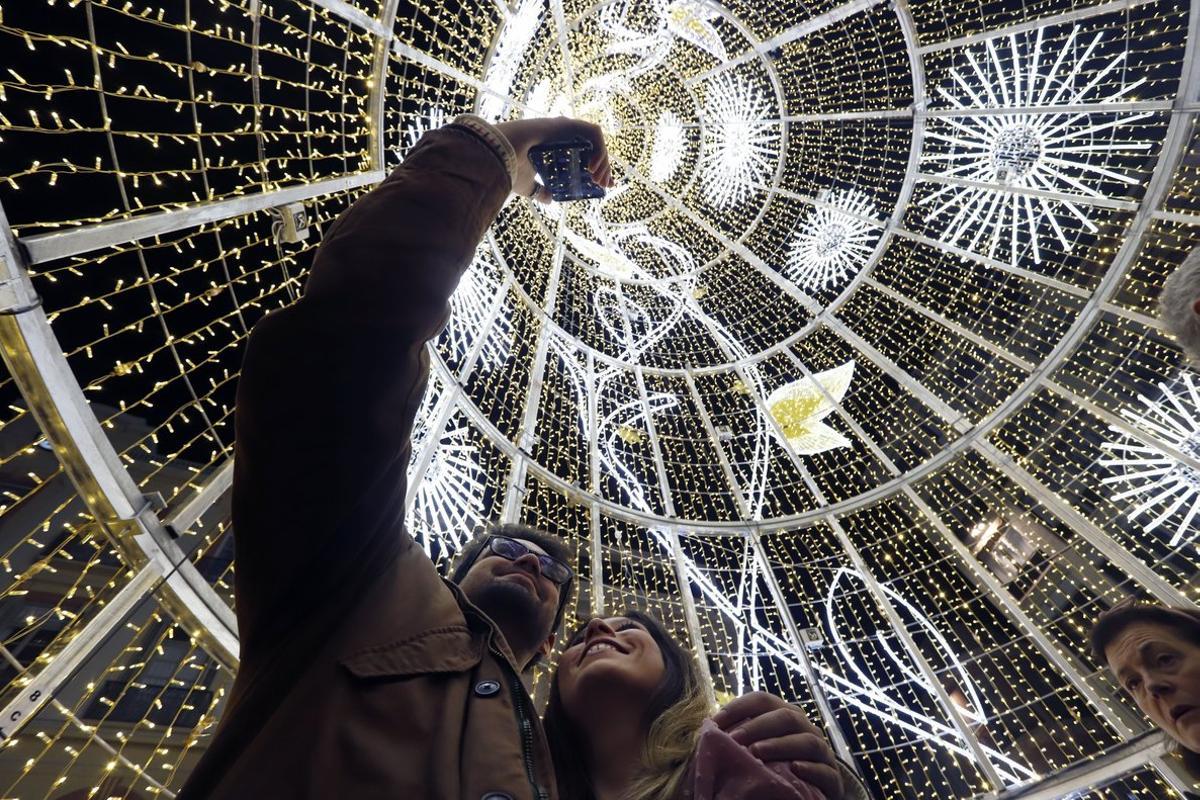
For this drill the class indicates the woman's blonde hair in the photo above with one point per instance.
(672, 718)
(669, 748)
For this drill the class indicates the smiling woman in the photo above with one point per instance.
(628, 719)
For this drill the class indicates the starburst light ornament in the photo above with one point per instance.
(447, 502)
(1044, 145)
(799, 407)
(666, 154)
(834, 241)
(1166, 490)
(741, 141)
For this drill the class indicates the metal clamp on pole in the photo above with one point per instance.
(17, 295)
(152, 501)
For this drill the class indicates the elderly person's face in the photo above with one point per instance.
(1161, 671)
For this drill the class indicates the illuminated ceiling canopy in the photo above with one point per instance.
(853, 379)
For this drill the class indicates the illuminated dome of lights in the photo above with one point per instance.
(854, 379)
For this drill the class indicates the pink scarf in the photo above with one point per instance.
(724, 770)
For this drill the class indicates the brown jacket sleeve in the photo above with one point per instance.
(329, 386)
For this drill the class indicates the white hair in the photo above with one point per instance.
(1176, 304)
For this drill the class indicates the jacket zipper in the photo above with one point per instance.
(520, 701)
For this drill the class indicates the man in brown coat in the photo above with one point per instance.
(364, 674)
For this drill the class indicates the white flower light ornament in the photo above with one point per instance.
(799, 407)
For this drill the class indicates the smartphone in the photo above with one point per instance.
(563, 170)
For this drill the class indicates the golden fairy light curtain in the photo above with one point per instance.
(854, 379)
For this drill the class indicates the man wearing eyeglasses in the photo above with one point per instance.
(363, 674)
(525, 590)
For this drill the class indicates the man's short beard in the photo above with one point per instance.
(512, 607)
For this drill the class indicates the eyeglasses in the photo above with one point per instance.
(511, 549)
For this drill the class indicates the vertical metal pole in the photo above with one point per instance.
(726, 467)
(533, 398)
(685, 586)
(837, 737)
(439, 414)
(964, 731)
(689, 613)
(593, 428)
(378, 99)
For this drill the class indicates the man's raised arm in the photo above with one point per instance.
(330, 385)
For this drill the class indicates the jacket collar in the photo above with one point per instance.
(481, 623)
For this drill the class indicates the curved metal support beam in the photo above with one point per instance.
(378, 100)
(127, 516)
(88, 238)
(691, 617)
(596, 550)
(439, 415)
(564, 50)
(356, 16)
(1003, 266)
(916, 145)
(1094, 773)
(214, 489)
(533, 397)
(1074, 15)
(1075, 108)
(43, 687)
(792, 34)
